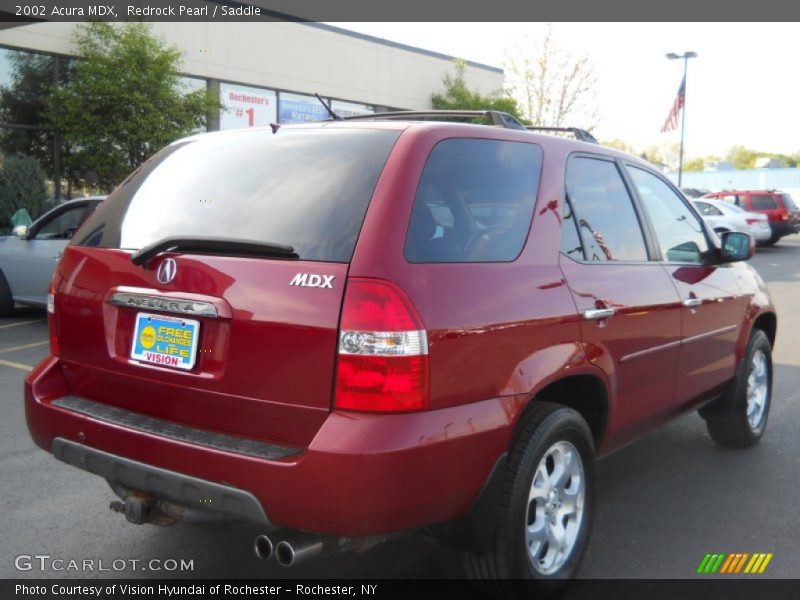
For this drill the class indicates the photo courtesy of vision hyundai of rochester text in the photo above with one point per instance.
(394, 323)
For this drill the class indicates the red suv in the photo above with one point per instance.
(780, 208)
(357, 328)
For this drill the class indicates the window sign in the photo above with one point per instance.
(297, 108)
(246, 106)
(351, 109)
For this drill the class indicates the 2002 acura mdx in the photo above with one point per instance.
(355, 328)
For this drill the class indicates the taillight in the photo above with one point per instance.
(51, 323)
(753, 221)
(383, 350)
(784, 217)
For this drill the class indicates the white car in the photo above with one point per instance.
(723, 216)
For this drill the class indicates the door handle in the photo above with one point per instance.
(598, 313)
(692, 302)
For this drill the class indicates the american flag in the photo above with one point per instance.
(672, 119)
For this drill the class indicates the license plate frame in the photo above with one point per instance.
(161, 348)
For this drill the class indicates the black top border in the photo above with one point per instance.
(331, 11)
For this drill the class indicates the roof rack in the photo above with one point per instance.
(499, 118)
(580, 134)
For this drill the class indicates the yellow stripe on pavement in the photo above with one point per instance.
(9, 325)
(24, 346)
(751, 563)
(15, 365)
(765, 563)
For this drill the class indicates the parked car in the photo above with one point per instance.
(29, 256)
(694, 192)
(780, 208)
(723, 216)
(330, 331)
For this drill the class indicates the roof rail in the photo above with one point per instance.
(580, 134)
(499, 118)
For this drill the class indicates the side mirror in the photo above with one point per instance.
(20, 231)
(737, 246)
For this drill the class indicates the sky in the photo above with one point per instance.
(743, 88)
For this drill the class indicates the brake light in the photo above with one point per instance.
(383, 350)
(784, 217)
(52, 324)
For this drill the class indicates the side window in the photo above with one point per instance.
(61, 226)
(763, 202)
(707, 209)
(474, 202)
(680, 233)
(606, 219)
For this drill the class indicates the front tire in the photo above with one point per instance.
(545, 515)
(739, 417)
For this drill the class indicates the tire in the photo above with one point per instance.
(6, 301)
(548, 435)
(771, 241)
(739, 417)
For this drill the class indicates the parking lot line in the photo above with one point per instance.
(9, 325)
(15, 365)
(24, 346)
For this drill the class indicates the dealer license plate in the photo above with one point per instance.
(165, 341)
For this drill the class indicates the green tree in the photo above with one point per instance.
(741, 157)
(22, 185)
(123, 101)
(22, 102)
(694, 164)
(619, 145)
(458, 96)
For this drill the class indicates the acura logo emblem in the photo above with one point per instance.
(166, 271)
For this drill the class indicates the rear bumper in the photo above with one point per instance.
(362, 474)
(782, 228)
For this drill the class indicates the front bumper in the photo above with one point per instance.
(362, 474)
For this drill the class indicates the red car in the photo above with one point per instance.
(780, 208)
(358, 328)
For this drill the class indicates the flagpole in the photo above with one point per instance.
(685, 56)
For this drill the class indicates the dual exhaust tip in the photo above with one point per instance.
(295, 548)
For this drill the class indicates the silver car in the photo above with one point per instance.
(29, 257)
(724, 216)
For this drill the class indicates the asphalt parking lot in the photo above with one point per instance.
(664, 501)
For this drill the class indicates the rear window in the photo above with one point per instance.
(306, 188)
(763, 201)
(474, 202)
(788, 202)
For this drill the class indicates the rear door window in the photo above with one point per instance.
(474, 202)
(606, 218)
(763, 202)
(306, 188)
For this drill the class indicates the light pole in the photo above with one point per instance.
(685, 56)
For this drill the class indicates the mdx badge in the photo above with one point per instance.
(313, 280)
(166, 270)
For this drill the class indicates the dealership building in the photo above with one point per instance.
(262, 72)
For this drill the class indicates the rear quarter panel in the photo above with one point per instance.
(495, 329)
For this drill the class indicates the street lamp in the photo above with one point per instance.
(685, 56)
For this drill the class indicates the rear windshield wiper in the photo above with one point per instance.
(212, 245)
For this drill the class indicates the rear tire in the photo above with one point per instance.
(739, 417)
(545, 514)
(6, 301)
(771, 241)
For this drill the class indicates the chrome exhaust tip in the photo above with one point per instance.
(291, 551)
(263, 547)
